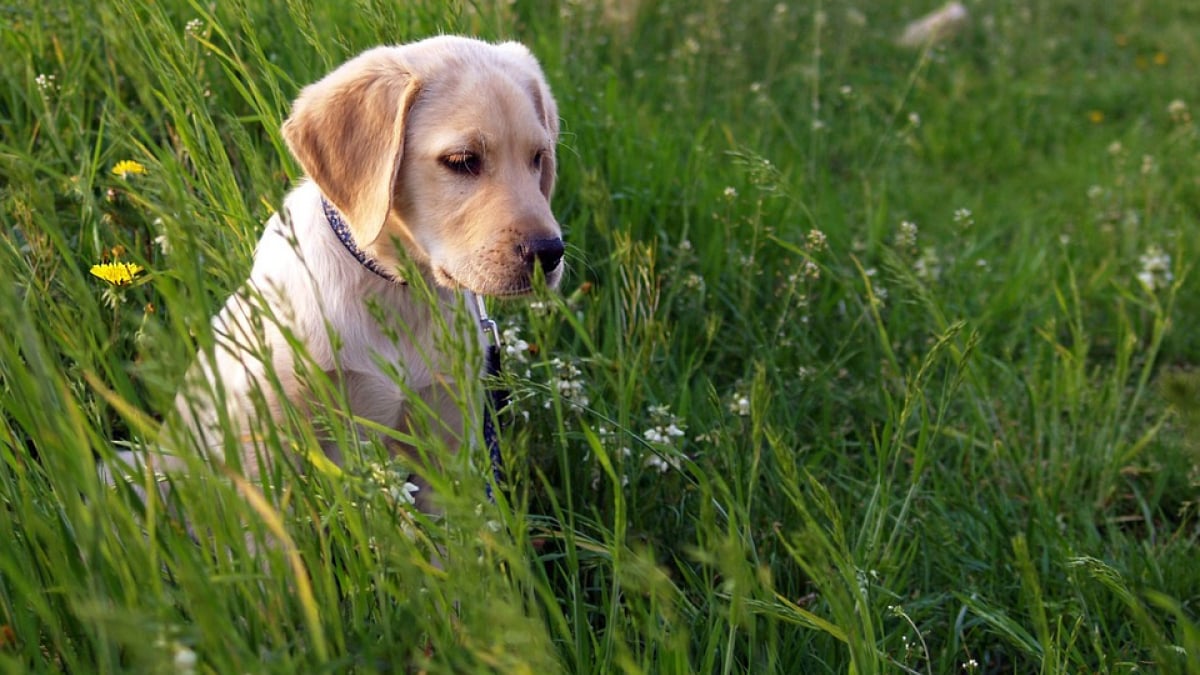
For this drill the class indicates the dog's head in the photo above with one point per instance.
(446, 148)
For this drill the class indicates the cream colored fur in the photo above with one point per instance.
(440, 155)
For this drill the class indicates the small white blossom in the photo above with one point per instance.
(514, 347)
(662, 463)
(816, 240)
(740, 405)
(811, 270)
(194, 27)
(164, 243)
(46, 84)
(185, 659)
(929, 266)
(730, 193)
(405, 494)
(666, 426)
(1178, 110)
(1156, 269)
(567, 381)
(906, 236)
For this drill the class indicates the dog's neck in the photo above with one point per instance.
(342, 230)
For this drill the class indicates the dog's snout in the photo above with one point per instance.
(547, 253)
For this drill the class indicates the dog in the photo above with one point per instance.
(428, 166)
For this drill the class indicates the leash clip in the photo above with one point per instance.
(486, 322)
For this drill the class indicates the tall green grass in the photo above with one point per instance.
(853, 370)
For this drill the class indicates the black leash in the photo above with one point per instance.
(497, 397)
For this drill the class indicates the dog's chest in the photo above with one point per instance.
(387, 352)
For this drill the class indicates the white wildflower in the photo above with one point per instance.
(185, 659)
(46, 84)
(740, 405)
(730, 193)
(194, 27)
(404, 494)
(663, 462)
(816, 240)
(811, 270)
(164, 243)
(929, 266)
(666, 426)
(514, 347)
(1156, 269)
(1178, 110)
(906, 236)
(567, 381)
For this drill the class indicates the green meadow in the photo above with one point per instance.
(868, 358)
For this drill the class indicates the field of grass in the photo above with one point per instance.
(868, 359)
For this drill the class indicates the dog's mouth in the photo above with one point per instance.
(444, 278)
(534, 259)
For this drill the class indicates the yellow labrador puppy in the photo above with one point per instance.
(435, 158)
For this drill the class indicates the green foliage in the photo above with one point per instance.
(868, 359)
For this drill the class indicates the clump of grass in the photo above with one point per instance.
(868, 359)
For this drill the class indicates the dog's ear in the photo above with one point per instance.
(347, 131)
(543, 103)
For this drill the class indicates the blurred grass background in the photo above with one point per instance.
(869, 359)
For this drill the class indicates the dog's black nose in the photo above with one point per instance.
(546, 252)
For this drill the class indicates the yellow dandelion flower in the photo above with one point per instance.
(126, 167)
(1161, 58)
(1096, 116)
(117, 273)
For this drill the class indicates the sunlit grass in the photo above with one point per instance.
(868, 358)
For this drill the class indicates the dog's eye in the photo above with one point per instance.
(465, 163)
(537, 160)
